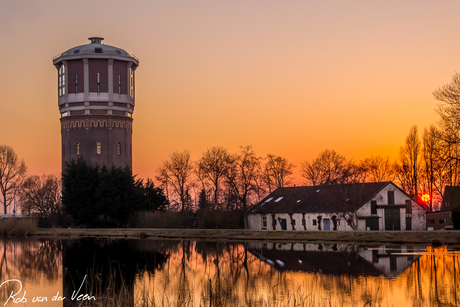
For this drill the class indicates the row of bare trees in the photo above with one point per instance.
(426, 164)
(234, 181)
(431, 162)
(231, 181)
(34, 194)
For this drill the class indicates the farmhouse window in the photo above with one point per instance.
(264, 222)
(373, 207)
(408, 206)
(391, 197)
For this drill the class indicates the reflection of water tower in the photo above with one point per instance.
(96, 102)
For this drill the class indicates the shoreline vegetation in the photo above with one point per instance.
(435, 238)
(28, 228)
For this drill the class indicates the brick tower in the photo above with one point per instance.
(96, 102)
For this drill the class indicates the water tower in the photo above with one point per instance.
(96, 101)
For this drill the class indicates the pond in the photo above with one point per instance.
(107, 272)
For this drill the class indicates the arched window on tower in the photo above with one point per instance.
(119, 148)
(98, 148)
(77, 148)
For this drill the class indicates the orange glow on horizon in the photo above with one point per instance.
(289, 79)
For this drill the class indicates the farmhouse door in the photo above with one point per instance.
(408, 223)
(283, 224)
(327, 224)
(392, 219)
(372, 224)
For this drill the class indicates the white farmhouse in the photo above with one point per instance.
(341, 207)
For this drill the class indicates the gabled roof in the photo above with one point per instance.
(324, 198)
(451, 197)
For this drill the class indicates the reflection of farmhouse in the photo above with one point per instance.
(360, 206)
(335, 259)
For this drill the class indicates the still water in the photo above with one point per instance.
(199, 273)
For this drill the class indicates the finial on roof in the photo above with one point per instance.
(96, 40)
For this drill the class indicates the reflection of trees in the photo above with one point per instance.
(436, 278)
(225, 274)
(43, 257)
(29, 259)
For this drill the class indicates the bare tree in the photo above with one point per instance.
(243, 178)
(327, 168)
(352, 173)
(449, 108)
(379, 169)
(176, 173)
(409, 167)
(449, 128)
(41, 194)
(12, 172)
(213, 166)
(277, 172)
(349, 199)
(430, 158)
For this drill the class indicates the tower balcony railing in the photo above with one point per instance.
(114, 52)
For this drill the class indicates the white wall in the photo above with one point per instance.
(255, 222)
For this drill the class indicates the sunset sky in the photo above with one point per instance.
(290, 78)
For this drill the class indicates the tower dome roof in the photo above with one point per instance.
(95, 46)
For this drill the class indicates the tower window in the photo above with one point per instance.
(131, 82)
(119, 148)
(97, 50)
(119, 84)
(61, 80)
(76, 83)
(77, 148)
(98, 83)
(98, 148)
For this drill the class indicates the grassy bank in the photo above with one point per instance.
(395, 237)
(18, 226)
